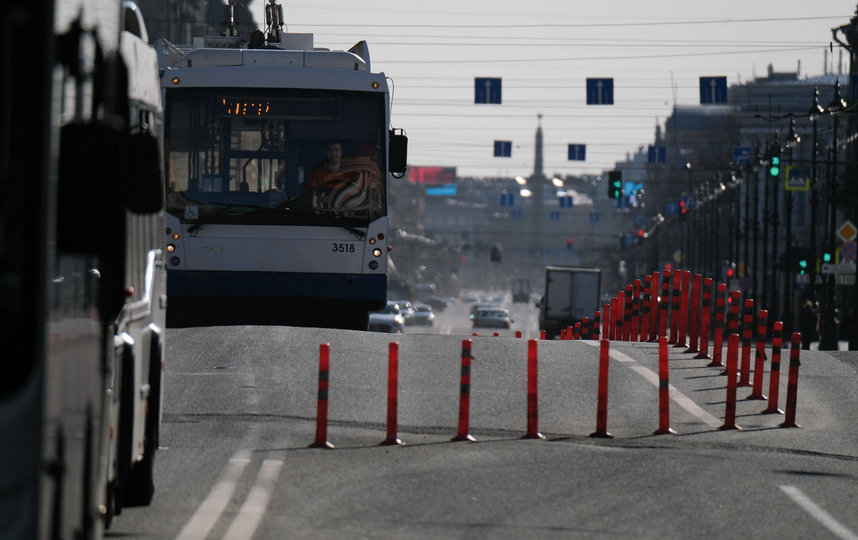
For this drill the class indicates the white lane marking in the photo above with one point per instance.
(246, 522)
(820, 515)
(681, 399)
(621, 357)
(212, 507)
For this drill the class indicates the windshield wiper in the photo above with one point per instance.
(221, 211)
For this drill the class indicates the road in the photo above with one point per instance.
(240, 413)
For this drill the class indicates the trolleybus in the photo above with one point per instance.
(82, 279)
(278, 155)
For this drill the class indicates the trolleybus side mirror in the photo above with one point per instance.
(87, 187)
(398, 153)
(144, 193)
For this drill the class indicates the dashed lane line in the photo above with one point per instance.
(820, 515)
(246, 522)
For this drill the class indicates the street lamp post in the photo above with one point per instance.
(756, 224)
(789, 274)
(828, 334)
(772, 145)
(815, 111)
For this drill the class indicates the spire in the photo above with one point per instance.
(537, 162)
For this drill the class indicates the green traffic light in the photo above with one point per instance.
(826, 257)
(775, 168)
(802, 265)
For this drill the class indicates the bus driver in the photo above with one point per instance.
(350, 185)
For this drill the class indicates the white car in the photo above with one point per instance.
(389, 320)
(405, 309)
(423, 315)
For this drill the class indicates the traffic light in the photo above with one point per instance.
(802, 266)
(683, 208)
(774, 166)
(826, 257)
(728, 270)
(615, 184)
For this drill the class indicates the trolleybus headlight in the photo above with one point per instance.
(175, 236)
(171, 247)
(376, 252)
(373, 265)
(176, 80)
(375, 85)
(174, 261)
(372, 240)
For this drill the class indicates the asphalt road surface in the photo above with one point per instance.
(241, 411)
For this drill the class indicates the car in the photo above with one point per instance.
(470, 298)
(491, 318)
(436, 302)
(388, 319)
(423, 315)
(387, 323)
(480, 306)
(406, 310)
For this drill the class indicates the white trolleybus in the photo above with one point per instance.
(278, 156)
(82, 278)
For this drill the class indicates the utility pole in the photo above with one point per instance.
(850, 31)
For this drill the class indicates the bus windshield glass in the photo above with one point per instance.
(278, 156)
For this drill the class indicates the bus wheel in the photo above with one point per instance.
(140, 484)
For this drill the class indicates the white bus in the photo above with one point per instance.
(278, 156)
(82, 278)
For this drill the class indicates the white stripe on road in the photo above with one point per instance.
(248, 518)
(820, 515)
(210, 510)
(621, 357)
(681, 399)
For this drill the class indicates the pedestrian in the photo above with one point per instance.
(807, 324)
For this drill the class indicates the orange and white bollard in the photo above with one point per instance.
(627, 313)
(792, 383)
(730, 403)
(465, 394)
(653, 308)
(322, 401)
(775, 375)
(675, 304)
(694, 328)
(718, 344)
(646, 308)
(705, 320)
(597, 324)
(634, 333)
(602, 395)
(760, 359)
(663, 391)
(747, 334)
(392, 394)
(683, 309)
(532, 393)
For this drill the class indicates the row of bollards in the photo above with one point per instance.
(671, 319)
(463, 432)
(637, 313)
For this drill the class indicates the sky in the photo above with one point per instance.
(544, 51)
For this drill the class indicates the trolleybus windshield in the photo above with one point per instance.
(276, 156)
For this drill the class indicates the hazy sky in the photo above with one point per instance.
(544, 50)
